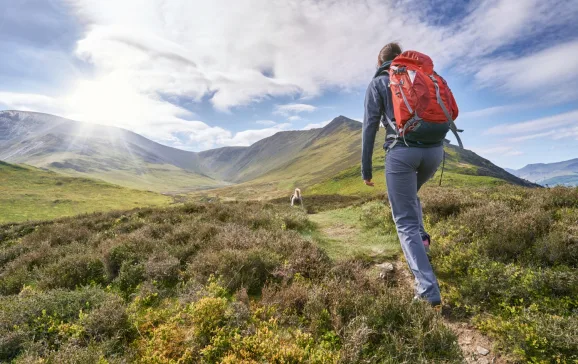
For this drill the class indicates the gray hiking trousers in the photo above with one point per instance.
(406, 170)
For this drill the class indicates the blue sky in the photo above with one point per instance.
(199, 74)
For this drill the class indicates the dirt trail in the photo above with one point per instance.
(476, 347)
(472, 342)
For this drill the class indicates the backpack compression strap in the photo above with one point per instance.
(453, 126)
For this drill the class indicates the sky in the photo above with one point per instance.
(197, 74)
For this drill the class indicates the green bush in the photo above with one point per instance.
(129, 277)
(509, 262)
(73, 271)
(109, 321)
(164, 269)
(43, 317)
(239, 268)
(377, 215)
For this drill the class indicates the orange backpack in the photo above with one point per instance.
(419, 96)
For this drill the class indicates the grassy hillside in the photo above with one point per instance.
(463, 168)
(28, 193)
(272, 167)
(333, 150)
(567, 180)
(208, 283)
(256, 282)
(100, 159)
(330, 164)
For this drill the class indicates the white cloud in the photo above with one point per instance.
(30, 102)
(530, 137)
(491, 111)
(316, 125)
(542, 124)
(288, 109)
(557, 134)
(498, 150)
(176, 132)
(240, 55)
(265, 122)
(249, 137)
(242, 52)
(551, 73)
(294, 118)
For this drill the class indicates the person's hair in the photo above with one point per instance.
(388, 53)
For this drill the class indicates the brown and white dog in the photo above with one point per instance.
(296, 197)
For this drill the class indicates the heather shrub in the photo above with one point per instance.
(197, 283)
(441, 203)
(560, 245)
(239, 268)
(164, 269)
(12, 281)
(559, 197)
(73, 271)
(117, 256)
(509, 262)
(45, 318)
(129, 277)
(503, 232)
(109, 321)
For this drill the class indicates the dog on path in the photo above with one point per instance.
(296, 197)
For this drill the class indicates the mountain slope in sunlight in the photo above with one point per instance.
(330, 164)
(325, 159)
(28, 193)
(112, 154)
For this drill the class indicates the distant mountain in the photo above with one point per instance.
(280, 152)
(551, 174)
(330, 163)
(112, 154)
(277, 163)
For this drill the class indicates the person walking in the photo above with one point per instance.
(417, 109)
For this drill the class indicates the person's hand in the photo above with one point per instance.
(368, 182)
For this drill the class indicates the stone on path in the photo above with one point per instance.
(482, 351)
(386, 270)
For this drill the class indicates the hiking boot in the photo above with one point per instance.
(426, 242)
(437, 305)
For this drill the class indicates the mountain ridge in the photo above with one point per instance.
(285, 159)
(557, 173)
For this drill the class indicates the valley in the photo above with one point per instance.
(324, 160)
(130, 251)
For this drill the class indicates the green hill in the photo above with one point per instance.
(462, 168)
(326, 158)
(330, 164)
(28, 193)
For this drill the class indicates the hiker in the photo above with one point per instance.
(414, 147)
